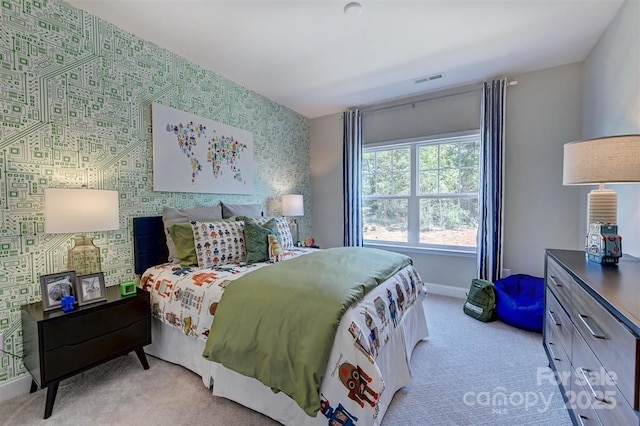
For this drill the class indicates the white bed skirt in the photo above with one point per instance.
(171, 345)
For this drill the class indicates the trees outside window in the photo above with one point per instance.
(423, 192)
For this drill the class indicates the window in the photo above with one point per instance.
(422, 193)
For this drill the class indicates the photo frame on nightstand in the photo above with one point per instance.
(90, 288)
(54, 287)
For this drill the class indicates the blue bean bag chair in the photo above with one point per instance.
(521, 301)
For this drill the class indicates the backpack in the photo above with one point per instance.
(481, 300)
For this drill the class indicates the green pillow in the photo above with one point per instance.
(182, 236)
(256, 239)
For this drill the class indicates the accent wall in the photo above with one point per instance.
(75, 109)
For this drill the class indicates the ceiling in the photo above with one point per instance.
(313, 58)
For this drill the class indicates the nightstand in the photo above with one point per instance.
(58, 345)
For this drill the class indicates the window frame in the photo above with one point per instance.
(413, 210)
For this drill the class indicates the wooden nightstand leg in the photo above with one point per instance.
(143, 358)
(52, 391)
(34, 386)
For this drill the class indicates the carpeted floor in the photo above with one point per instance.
(466, 373)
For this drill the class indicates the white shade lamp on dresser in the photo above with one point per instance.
(612, 160)
(292, 206)
(81, 210)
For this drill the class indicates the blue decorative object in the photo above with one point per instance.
(67, 303)
(521, 301)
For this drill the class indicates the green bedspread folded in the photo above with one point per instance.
(278, 323)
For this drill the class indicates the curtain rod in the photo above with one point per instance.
(374, 108)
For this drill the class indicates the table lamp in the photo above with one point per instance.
(81, 210)
(293, 205)
(613, 159)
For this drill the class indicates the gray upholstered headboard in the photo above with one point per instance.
(149, 242)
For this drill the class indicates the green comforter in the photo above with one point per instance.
(278, 323)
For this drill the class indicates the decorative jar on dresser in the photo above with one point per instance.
(591, 336)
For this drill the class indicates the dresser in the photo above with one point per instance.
(58, 345)
(591, 336)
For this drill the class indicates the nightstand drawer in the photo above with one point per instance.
(80, 326)
(94, 351)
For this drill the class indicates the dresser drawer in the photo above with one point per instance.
(583, 404)
(594, 384)
(558, 322)
(588, 369)
(56, 363)
(615, 346)
(77, 327)
(560, 282)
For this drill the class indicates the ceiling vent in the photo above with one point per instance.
(429, 78)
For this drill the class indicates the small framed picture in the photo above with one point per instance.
(54, 287)
(90, 289)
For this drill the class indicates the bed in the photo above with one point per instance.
(368, 361)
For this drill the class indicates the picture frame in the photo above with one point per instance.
(54, 287)
(90, 288)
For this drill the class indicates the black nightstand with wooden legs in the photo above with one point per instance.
(59, 345)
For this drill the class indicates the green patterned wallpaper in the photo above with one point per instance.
(75, 108)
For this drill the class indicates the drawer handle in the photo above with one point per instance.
(584, 373)
(583, 318)
(553, 319)
(553, 280)
(553, 355)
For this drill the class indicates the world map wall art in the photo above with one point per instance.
(194, 154)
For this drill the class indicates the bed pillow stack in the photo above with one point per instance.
(172, 216)
(222, 234)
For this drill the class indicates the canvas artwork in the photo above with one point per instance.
(194, 154)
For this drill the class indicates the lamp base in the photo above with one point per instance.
(293, 227)
(602, 206)
(84, 257)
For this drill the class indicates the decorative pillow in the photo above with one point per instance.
(218, 243)
(182, 236)
(275, 250)
(172, 216)
(251, 210)
(284, 232)
(256, 239)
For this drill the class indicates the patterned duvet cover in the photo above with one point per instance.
(353, 387)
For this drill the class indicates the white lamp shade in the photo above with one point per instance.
(80, 210)
(614, 159)
(292, 205)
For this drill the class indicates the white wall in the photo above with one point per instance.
(612, 107)
(327, 220)
(543, 113)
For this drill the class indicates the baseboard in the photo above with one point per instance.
(446, 290)
(15, 387)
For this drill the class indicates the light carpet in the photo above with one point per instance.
(465, 373)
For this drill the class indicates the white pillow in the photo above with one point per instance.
(172, 216)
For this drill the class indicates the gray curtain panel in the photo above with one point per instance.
(352, 181)
(490, 232)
